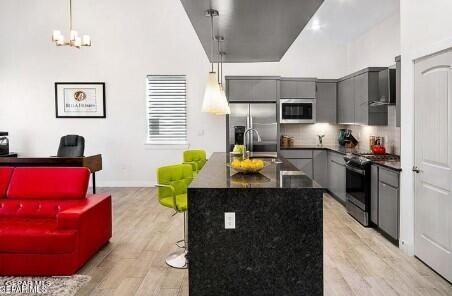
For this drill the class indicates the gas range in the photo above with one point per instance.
(381, 157)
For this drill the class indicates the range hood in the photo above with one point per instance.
(253, 30)
(386, 88)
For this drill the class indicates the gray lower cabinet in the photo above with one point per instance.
(374, 194)
(337, 175)
(240, 89)
(388, 202)
(301, 159)
(303, 164)
(320, 167)
(298, 88)
(326, 101)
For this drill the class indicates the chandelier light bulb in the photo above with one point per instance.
(74, 39)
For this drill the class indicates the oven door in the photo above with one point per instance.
(297, 110)
(357, 187)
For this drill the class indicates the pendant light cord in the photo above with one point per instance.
(70, 15)
(212, 39)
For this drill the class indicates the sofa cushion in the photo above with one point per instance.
(36, 208)
(35, 236)
(48, 183)
(5, 176)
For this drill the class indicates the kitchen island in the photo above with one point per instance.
(274, 241)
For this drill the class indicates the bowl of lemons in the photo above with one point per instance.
(247, 166)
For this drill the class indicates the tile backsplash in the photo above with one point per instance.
(306, 134)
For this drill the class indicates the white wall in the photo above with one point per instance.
(377, 47)
(426, 28)
(130, 40)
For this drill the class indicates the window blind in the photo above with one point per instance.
(167, 109)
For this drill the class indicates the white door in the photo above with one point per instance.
(433, 157)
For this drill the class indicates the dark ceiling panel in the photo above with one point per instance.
(254, 30)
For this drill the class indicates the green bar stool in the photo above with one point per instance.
(196, 158)
(173, 181)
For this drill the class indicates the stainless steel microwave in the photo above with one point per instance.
(297, 111)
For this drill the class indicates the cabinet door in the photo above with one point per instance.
(346, 102)
(374, 194)
(298, 89)
(398, 91)
(388, 209)
(288, 89)
(306, 89)
(361, 94)
(336, 176)
(320, 167)
(240, 90)
(304, 165)
(265, 90)
(326, 102)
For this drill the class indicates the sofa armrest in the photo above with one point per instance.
(93, 222)
(96, 205)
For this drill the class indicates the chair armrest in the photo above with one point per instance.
(193, 164)
(173, 191)
(95, 206)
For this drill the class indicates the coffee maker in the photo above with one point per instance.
(239, 130)
(4, 143)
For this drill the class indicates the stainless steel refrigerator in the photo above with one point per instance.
(262, 117)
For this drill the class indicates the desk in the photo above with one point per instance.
(93, 163)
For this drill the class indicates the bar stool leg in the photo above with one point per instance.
(178, 259)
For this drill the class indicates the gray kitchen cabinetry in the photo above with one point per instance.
(398, 89)
(337, 175)
(301, 159)
(252, 89)
(346, 101)
(388, 202)
(298, 88)
(320, 167)
(374, 194)
(326, 101)
(355, 92)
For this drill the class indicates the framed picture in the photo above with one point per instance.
(80, 99)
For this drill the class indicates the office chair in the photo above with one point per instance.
(71, 146)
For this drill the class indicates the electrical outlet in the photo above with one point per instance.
(229, 220)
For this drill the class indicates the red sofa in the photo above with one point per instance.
(48, 225)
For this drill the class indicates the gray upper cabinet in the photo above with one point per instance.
(298, 88)
(354, 94)
(326, 101)
(398, 89)
(252, 89)
(361, 83)
(346, 101)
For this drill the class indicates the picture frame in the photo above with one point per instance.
(80, 100)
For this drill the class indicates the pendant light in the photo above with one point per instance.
(74, 39)
(213, 102)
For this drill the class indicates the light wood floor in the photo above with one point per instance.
(357, 261)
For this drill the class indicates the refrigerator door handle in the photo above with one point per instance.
(251, 134)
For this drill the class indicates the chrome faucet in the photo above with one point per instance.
(244, 139)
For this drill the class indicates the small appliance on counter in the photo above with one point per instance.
(4, 143)
(345, 138)
(286, 141)
(239, 130)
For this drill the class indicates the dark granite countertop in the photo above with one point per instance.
(215, 174)
(394, 165)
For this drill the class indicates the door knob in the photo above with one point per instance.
(416, 170)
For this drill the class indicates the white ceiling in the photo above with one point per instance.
(346, 20)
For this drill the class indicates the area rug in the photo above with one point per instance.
(42, 286)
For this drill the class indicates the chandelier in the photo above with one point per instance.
(74, 39)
